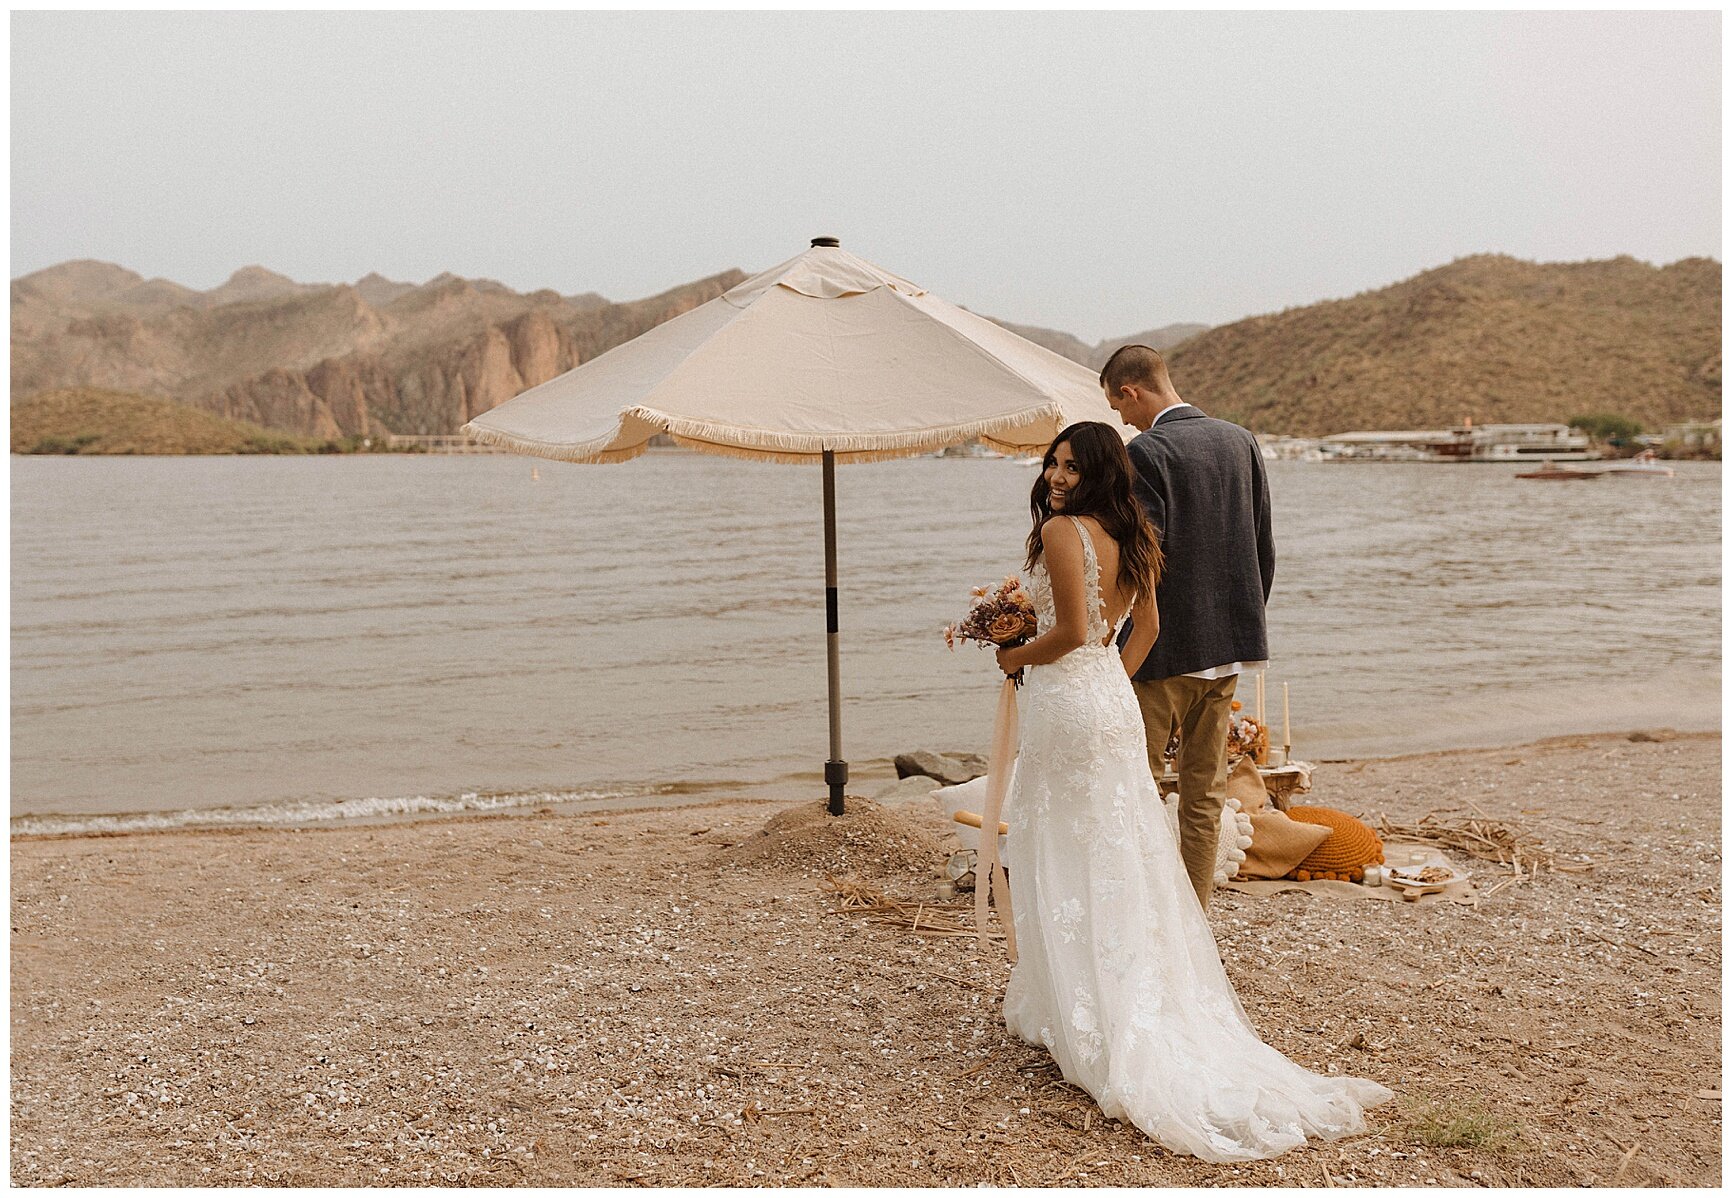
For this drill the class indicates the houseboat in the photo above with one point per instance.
(1531, 443)
(1467, 443)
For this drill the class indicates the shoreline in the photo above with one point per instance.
(488, 806)
(870, 777)
(632, 999)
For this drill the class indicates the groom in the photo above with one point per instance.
(1201, 482)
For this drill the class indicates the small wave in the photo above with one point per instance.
(294, 813)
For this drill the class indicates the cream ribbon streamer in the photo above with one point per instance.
(988, 870)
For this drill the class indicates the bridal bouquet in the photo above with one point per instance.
(1003, 617)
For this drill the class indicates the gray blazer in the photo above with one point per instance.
(1202, 483)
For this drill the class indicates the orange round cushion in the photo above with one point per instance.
(1343, 856)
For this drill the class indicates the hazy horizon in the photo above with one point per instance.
(1096, 173)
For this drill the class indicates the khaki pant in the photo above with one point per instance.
(1201, 710)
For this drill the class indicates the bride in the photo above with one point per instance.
(1118, 976)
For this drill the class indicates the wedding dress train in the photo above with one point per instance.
(1118, 976)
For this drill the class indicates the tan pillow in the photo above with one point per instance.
(1246, 785)
(1279, 844)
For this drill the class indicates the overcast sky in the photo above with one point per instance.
(1099, 173)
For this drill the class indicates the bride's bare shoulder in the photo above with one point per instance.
(1057, 527)
(1060, 532)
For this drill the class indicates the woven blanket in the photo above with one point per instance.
(1394, 853)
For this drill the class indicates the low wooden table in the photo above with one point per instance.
(1284, 781)
(1281, 781)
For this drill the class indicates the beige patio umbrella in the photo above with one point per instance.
(822, 359)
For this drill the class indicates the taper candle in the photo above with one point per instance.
(1260, 722)
(1286, 722)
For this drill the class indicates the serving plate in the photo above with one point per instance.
(1407, 877)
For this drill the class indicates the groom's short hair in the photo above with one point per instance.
(1134, 364)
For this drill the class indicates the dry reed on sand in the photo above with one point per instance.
(1485, 838)
(923, 919)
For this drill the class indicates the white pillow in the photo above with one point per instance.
(1230, 845)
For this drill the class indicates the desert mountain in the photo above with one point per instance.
(1488, 337)
(378, 291)
(317, 360)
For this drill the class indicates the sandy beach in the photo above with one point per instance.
(675, 997)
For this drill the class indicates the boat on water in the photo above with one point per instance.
(1530, 443)
(1646, 464)
(1467, 443)
(1554, 473)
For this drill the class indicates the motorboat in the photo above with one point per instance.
(1646, 464)
(1554, 473)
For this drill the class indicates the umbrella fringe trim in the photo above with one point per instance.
(764, 443)
(792, 458)
(560, 451)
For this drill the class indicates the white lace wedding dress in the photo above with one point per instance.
(1118, 976)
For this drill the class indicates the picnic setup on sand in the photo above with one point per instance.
(1270, 841)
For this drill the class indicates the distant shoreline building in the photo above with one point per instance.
(1466, 444)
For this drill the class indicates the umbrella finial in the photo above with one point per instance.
(831, 242)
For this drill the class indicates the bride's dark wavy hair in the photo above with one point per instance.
(1104, 492)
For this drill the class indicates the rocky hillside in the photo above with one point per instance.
(1487, 337)
(87, 421)
(316, 360)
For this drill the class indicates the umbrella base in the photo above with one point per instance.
(836, 777)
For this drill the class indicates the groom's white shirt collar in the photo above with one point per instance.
(1169, 410)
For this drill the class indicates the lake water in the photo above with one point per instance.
(302, 638)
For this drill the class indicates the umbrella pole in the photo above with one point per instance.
(835, 769)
